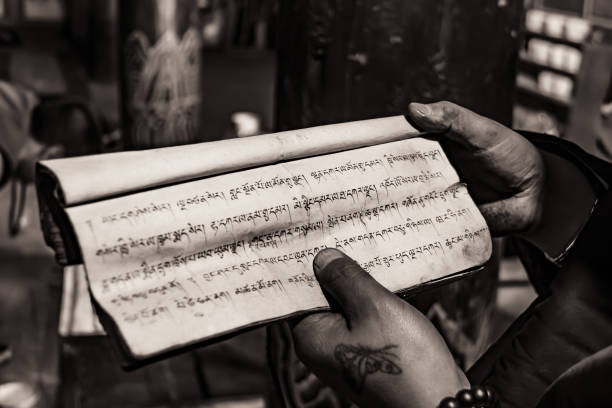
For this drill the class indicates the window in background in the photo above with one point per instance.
(572, 6)
(45, 10)
(602, 8)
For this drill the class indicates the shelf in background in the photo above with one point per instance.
(533, 66)
(533, 91)
(542, 36)
(533, 98)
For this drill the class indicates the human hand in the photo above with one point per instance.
(377, 350)
(504, 171)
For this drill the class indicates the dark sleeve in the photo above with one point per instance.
(572, 317)
(599, 172)
(585, 385)
(5, 171)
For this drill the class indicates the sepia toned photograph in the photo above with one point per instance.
(305, 204)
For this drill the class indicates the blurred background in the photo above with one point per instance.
(92, 76)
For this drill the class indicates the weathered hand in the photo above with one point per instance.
(376, 349)
(504, 171)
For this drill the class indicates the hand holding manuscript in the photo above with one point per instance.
(179, 264)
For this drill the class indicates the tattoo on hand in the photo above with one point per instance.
(360, 361)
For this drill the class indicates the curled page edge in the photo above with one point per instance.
(95, 177)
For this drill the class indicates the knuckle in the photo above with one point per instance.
(491, 132)
(450, 111)
(445, 114)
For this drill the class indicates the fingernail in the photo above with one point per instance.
(420, 109)
(325, 257)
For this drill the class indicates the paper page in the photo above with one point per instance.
(95, 177)
(77, 315)
(183, 263)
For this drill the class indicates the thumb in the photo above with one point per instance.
(460, 125)
(355, 291)
(429, 118)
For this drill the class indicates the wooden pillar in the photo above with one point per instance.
(160, 47)
(345, 60)
(341, 60)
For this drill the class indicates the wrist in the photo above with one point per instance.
(566, 203)
(421, 394)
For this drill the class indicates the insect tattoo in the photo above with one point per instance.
(360, 361)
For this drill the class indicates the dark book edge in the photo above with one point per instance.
(57, 229)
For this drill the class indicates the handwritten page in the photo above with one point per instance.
(180, 264)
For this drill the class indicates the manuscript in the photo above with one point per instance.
(180, 257)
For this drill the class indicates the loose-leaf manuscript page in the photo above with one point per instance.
(179, 264)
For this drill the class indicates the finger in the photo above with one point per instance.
(312, 335)
(356, 292)
(294, 321)
(321, 322)
(514, 214)
(460, 124)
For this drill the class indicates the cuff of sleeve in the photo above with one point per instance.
(558, 258)
(572, 196)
